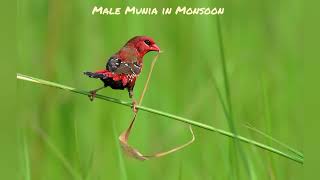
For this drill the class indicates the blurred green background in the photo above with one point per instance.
(65, 136)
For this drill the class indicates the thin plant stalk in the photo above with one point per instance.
(164, 114)
(249, 126)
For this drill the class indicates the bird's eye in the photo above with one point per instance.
(147, 42)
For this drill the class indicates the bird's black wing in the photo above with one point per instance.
(120, 67)
(113, 64)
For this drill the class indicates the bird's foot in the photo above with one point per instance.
(134, 106)
(92, 95)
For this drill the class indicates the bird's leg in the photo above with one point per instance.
(93, 93)
(134, 102)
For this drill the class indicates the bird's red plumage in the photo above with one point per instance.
(124, 78)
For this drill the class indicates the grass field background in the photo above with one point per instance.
(65, 136)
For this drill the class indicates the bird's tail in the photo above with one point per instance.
(95, 74)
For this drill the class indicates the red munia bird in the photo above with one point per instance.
(124, 67)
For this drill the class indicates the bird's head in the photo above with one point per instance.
(143, 44)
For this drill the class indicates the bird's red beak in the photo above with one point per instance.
(154, 47)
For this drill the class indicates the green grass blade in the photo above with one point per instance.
(122, 166)
(26, 158)
(164, 114)
(57, 153)
(224, 106)
(274, 140)
(229, 113)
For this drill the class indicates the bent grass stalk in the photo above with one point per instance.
(164, 114)
(124, 137)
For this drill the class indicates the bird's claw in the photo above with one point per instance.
(92, 95)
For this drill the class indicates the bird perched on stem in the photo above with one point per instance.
(123, 68)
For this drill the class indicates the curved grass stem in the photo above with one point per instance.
(165, 114)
